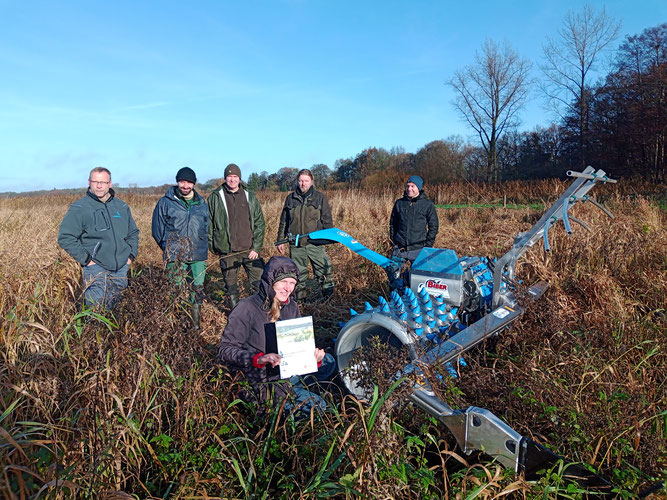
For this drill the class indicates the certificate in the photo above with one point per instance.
(296, 345)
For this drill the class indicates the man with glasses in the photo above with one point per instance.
(98, 231)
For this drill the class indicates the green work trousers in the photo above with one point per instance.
(230, 265)
(318, 258)
(193, 273)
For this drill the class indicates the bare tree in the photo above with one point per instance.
(569, 60)
(489, 93)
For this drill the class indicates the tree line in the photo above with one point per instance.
(617, 123)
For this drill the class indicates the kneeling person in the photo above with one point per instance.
(243, 343)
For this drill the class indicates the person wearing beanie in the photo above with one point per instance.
(232, 169)
(186, 174)
(414, 221)
(307, 210)
(180, 227)
(236, 232)
(417, 181)
(243, 346)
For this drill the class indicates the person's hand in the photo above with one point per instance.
(319, 355)
(91, 263)
(129, 261)
(281, 248)
(271, 358)
(253, 255)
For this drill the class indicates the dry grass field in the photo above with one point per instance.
(133, 405)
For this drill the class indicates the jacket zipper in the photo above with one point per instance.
(115, 242)
(187, 208)
(252, 219)
(97, 247)
(303, 219)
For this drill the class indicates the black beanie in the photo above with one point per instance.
(186, 174)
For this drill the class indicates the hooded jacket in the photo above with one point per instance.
(413, 223)
(179, 230)
(244, 336)
(102, 232)
(218, 229)
(304, 213)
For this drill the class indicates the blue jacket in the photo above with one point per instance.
(101, 232)
(182, 233)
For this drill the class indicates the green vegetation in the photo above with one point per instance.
(509, 206)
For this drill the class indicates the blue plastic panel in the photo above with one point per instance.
(437, 260)
(335, 234)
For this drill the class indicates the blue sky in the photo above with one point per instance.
(144, 88)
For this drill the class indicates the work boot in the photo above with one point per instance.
(196, 315)
(232, 300)
(327, 288)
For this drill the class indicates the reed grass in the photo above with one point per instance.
(134, 405)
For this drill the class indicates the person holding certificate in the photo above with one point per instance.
(243, 344)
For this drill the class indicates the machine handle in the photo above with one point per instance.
(592, 177)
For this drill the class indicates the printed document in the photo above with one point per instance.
(296, 346)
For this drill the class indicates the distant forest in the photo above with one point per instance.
(617, 124)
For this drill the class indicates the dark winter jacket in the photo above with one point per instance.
(244, 336)
(102, 232)
(180, 230)
(304, 213)
(414, 223)
(218, 229)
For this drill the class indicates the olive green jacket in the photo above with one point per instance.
(218, 229)
(304, 213)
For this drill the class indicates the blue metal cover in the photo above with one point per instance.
(437, 260)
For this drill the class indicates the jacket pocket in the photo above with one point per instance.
(101, 221)
(312, 215)
(202, 225)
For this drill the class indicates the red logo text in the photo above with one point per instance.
(437, 285)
